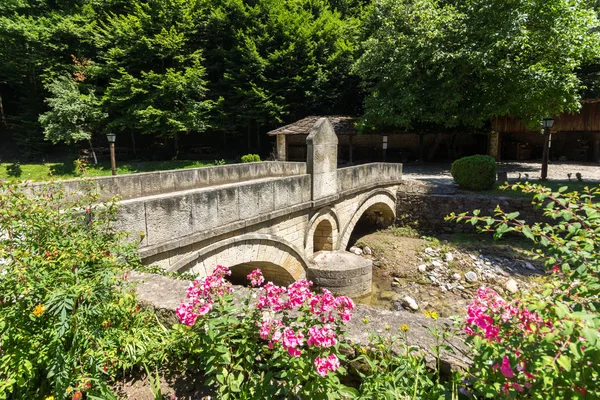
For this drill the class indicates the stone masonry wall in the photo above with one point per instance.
(132, 186)
(428, 204)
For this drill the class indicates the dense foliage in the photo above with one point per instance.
(165, 68)
(236, 68)
(68, 320)
(459, 63)
(474, 172)
(546, 343)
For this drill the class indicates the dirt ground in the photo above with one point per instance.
(440, 284)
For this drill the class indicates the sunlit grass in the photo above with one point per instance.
(66, 170)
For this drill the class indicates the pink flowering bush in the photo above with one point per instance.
(268, 341)
(534, 348)
(545, 345)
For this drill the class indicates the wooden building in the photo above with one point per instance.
(574, 137)
(357, 147)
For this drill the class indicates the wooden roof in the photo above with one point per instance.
(342, 125)
(587, 120)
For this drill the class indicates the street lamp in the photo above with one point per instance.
(113, 163)
(547, 124)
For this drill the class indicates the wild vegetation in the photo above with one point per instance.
(154, 71)
(70, 323)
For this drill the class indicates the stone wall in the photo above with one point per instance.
(361, 176)
(428, 204)
(153, 183)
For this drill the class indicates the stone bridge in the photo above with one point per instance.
(272, 215)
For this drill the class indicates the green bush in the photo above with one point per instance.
(14, 169)
(543, 344)
(69, 322)
(251, 158)
(475, 172)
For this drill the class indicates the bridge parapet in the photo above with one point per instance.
(131, 186)
(366, 175)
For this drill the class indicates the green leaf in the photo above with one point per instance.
(565, 362)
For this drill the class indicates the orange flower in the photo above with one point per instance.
(38, 310)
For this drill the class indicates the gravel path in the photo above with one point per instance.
(440, 172)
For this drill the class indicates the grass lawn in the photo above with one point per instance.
(65, 170)
(554, 185)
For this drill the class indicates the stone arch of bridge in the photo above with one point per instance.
(322, 227)
(280, 261)
(380, 202)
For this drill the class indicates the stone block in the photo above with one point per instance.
(281, 193)
(128, 186)
(324, 184)
(204, 210)
(228, 207)
(186, 179)
(168, 218)
(131, 217)
(249, 201)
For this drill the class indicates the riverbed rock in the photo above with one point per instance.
(511, 285)
(410, 303)
(367, 251)
(356, 250)
(471, 276)
(448, 257)
(456, 277)
(422, 268)
(437, 264)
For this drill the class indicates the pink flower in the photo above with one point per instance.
(272, 297)
(321, 337)
(256, 278)
(344, 305)
(298, 293)
(323, 305)
(506, 368)
(271, 330)
(517, 387)
(325, 364)
(291, 340)
(186, 315)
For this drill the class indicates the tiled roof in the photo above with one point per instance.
(342, 125)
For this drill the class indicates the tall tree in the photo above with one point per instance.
(73, 116)
(458, 63)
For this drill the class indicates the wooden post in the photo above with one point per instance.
(113, 162)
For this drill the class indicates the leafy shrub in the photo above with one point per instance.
(250, 158)
(80, 166)
(546, 344)
(386, 374)
(68, 320)
(474, 172)
(14, 169)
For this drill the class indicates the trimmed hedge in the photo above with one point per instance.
(250, 158)
(474, 172)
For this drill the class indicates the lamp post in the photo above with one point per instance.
(547, 124)
(113, 163)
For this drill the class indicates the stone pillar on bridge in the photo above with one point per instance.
(321, 163)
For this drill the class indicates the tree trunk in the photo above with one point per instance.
(93, 151)
(2, 116)
(249, 139)
(436, 144)
(258, 137)
(133, 144)
(176, 144)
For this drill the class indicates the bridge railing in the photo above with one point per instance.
(361, 176)
(132, 186)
